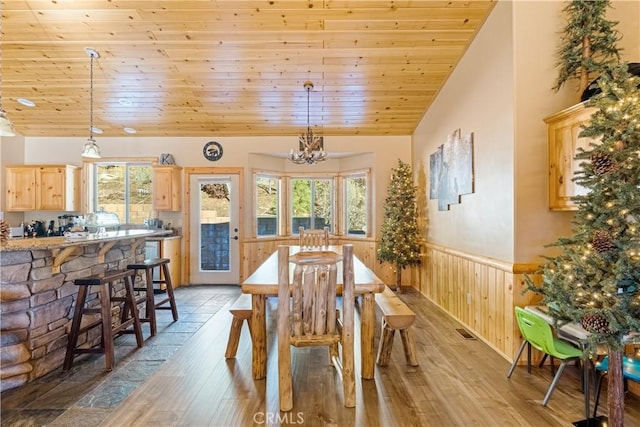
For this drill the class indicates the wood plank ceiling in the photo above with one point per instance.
(230, 67)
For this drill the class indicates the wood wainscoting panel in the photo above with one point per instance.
(479, 292)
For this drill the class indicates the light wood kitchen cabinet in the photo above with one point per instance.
(166, 247)
(171, 249)
(166, 188)
(563, 129)
(42, 188)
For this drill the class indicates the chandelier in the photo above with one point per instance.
(90, 149)
(311, 146)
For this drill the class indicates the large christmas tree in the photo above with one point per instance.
(588, 42)
(595, 281)
(400, 241)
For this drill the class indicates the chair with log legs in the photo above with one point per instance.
(307, 314)
(314, 239)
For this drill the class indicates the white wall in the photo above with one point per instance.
(536, 42)
(478, 98)
(380, 153)
(11, 153)
(501, 91)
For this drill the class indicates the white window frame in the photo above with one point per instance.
(90, 166)
(344, 176)
(279, 209)
(334, 199)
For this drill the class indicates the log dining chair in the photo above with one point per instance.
(313, 238)
(307, 315)
(630, 372)
(537, 333)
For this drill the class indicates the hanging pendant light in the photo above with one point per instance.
(6, 127)
(90, 149)
(311, 146)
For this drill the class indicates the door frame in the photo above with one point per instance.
(186, 213)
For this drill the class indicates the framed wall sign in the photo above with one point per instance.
(212, 151)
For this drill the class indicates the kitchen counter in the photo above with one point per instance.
(163, 238)
(38, 294)
(44, 243)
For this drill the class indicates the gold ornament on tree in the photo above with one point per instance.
(620, 145)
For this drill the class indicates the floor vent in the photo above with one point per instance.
(466, 334)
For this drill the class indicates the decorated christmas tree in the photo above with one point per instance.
(399, 243)
(588, 42)
(595, 281)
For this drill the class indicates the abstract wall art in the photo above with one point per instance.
(451, 170)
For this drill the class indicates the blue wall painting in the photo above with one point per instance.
(451, 170)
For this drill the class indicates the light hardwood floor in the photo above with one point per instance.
(460, 382)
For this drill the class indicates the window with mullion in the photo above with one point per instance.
(267, 202)
(123, 188)
(312, 203)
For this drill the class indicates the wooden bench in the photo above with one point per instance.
(241, 311)
(395, 316)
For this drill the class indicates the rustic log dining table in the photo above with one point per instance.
(264, 282)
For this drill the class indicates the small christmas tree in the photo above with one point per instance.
(596, 279)
(588, 42)
(399, 243)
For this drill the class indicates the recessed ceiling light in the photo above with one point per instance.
(96, 130)
(26, 102)
(125, 102)
(129, 130)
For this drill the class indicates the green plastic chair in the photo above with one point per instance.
(537, 333)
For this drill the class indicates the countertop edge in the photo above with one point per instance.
(48, 243)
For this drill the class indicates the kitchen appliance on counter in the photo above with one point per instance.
(153, 223)
(68, 221)
(101, 221)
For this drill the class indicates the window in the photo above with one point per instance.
(311, 203)
(267, 193)
(355, 204)
(123, 188)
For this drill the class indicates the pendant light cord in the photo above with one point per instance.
(308, 125)
(91, 100)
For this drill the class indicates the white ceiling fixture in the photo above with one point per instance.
(311, 146)
(26, 102)
(130, 130)
(90, 149)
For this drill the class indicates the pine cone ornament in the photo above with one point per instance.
(4, 231)
(602, 163)
(602, 242)
(595, 323)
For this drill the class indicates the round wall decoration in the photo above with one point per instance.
(212, 151)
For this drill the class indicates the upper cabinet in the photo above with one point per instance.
(563, 129)
(42, 187)
(166, 188)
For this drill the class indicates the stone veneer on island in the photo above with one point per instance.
(37, 296)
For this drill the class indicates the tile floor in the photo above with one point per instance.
(87, 393)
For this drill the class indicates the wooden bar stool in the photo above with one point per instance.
(151, 305)
(109, 332)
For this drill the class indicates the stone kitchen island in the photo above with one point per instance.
(37, 295)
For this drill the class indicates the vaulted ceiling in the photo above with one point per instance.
(230, 67)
